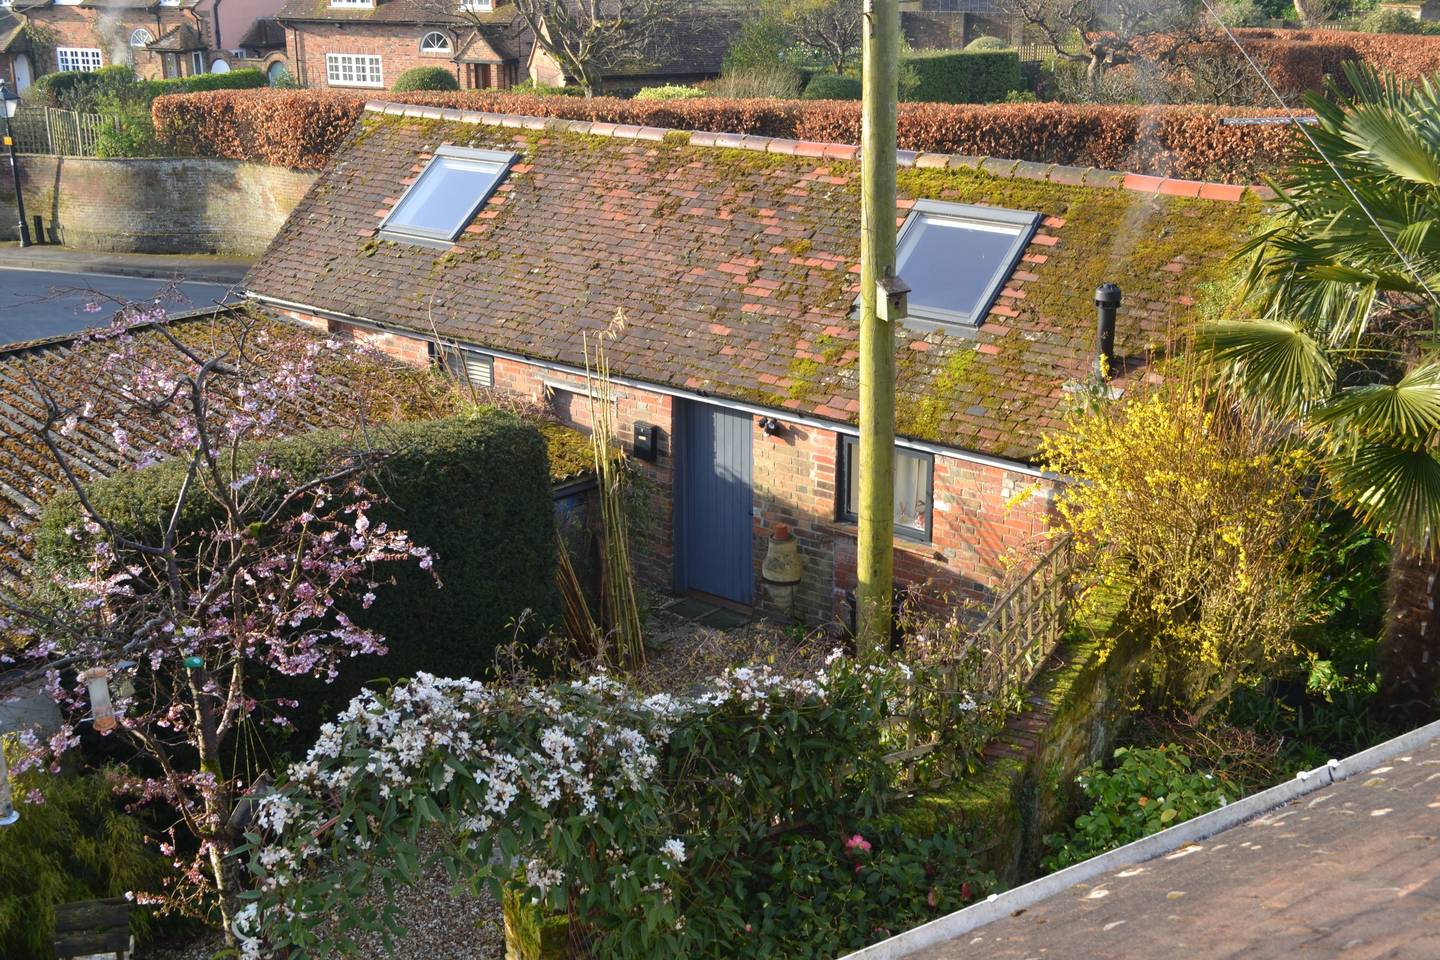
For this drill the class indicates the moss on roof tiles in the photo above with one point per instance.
(734, 269)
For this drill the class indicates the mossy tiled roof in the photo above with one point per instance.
(736, 269)
(75, 373)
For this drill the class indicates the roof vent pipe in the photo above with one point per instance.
(1107, 305)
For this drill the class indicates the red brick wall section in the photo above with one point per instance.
(397, 45)
(155, 205)
(987, 520)
(84, 27)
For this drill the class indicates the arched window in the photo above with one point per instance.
(219, 66)
(435, 42)
(141, 37)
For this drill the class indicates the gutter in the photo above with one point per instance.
(789, 416)
(1002, 905)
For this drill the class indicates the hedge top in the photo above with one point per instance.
(750, 246)
(73, 371)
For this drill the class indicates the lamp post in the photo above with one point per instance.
(10, 101)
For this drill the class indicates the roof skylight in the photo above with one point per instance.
(446, 196)
(956, 258)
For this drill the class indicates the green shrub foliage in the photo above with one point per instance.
(1147, 791)
(670, 91)
(986, 43)
(964, 76)
(830, 86)
(426, 78)
(95, 91)
(475, 489)
(76, 845)
(1391, 21)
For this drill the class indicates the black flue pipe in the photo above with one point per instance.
(1107, 306)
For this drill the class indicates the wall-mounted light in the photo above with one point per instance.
(102, 711)
(770, 425)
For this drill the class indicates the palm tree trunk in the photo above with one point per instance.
(1409, 654)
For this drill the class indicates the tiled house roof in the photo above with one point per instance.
(178, 39)
(75, 374)
(737, 269)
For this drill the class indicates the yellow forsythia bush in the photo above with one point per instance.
(1208, 516)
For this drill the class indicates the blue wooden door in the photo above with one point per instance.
(714, 532)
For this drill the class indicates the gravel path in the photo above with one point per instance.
(440, 924)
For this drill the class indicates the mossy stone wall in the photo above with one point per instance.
(1084, 699)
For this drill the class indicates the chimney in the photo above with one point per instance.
(1107, 305)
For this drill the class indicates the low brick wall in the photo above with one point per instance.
(1076, 711)
(154, 205)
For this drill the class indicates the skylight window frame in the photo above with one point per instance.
(926, 318)
(436, 238)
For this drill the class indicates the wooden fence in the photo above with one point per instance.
(998, 658)
(63, 132)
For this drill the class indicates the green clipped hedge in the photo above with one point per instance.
(426, 78)
(76, 845)
(99, 90)
(831, 86)
(964, 76)
(475, 489)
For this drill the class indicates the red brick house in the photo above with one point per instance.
(733, 261)
(158, 38)
(366, 44)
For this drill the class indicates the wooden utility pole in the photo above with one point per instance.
(875, 561)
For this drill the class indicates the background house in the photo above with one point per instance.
(158, 38)
(368, 43)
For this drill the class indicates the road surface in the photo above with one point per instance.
(43, 303)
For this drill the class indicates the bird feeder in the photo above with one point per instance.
(8, 813)
(102, 711)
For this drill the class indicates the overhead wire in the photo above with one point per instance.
(1295, 121)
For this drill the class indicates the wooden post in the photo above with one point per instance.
(874, 566)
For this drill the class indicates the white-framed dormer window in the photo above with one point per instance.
(141, 37)
(360, 4)
(435, 42)
(956, 258)
(353, 70)
(478, 6)
(84, 59)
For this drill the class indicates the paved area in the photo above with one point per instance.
(1351, 873)
(41, 303)
(197, 267)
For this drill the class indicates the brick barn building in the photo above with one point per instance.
(499, 244)
(158, 38)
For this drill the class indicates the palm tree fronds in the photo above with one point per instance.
(1407, 412)
(1270, 359)
(1389, 137)
(1395, 490)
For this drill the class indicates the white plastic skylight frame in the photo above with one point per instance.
(499, 160)
(929, 317)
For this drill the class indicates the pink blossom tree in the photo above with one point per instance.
(162, 633)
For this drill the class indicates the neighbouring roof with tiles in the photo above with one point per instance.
(74, 373)
(734, 259)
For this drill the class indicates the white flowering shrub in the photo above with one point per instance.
(617, 809)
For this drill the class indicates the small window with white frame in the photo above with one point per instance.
(914, 489)
(435, 43)
(141, 37)
(956, 258)
(362, 4)
(477, 6)
(439, 205)
(353, 70)
(83, 59)
(197, 63)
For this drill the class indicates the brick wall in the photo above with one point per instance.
(86, 27)
(986, 522)
(397, 45)
(155, 206)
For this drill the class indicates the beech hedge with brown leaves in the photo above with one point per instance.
(303, 128)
